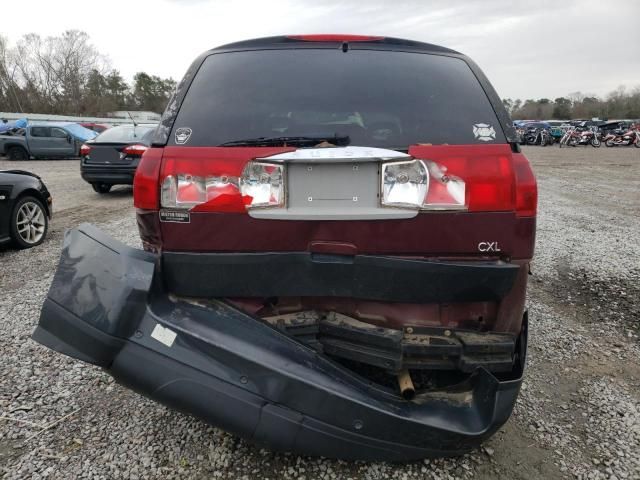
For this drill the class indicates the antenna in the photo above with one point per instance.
(131, 117)
(134, 124)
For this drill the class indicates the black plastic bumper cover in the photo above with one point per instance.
(114, 174)
(240, 374)
(369, 277)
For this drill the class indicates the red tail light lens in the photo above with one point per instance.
(134, 150)
(85, 150)
(483, 175)
(146, 188)
(526, 187)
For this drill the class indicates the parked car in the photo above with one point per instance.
(616, 126)
(558, 127)
(25, 208)
(532, 125)
(96, 127)
(46, 140)
(337, 234)
(113, 156)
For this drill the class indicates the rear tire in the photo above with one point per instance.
(29, 222)
(17, 153)
(101, 187)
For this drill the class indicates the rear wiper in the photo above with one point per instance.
(300, 141)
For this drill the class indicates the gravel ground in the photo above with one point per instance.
(578, 415)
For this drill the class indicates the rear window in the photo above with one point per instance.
(40, 131)
(378, 98)
(126, 134)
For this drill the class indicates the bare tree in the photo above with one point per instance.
(53, 72)
(8, 89)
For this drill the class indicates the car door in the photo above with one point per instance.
(5, 205)
(37, 139)
(61, 142)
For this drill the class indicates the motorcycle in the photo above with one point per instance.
(539, 136)
(570, 138)
(590, 137)
(574, 137)
(618, 139)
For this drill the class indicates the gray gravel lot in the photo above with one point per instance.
(578, 415)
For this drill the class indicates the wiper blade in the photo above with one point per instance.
(300, 141)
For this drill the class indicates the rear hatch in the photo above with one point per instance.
(390, 106)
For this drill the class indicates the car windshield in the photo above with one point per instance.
(125, 134)
(377, 98)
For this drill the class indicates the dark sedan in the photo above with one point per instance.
(25, 208)
(112, 157)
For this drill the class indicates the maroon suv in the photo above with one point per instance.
(337, 233)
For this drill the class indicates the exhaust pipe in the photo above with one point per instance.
(407, 390)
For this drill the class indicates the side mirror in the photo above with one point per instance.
(69, 138)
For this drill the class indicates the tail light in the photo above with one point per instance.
(490, 179)
(258, 185)
(526, 187)
(264, 184)
(85, 150)
(145, 181)
(421, 184)
(134, 150)
(455, 178)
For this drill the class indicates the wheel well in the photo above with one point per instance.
(15, 145)
(8, 148)
(32, 192)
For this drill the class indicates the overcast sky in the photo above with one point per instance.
(527, 49)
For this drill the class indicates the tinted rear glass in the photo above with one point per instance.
(40, 131)
(378, 98)
(126, 134)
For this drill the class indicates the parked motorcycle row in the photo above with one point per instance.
(574, 137)
(537, 133)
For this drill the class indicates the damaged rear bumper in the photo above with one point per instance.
(107, 307)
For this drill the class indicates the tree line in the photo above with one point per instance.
(66, 75)
(619, 104)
